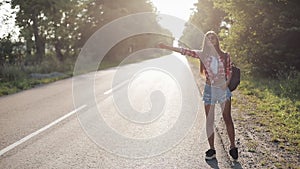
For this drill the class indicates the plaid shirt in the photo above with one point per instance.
(213, 71)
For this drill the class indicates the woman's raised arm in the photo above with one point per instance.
(172, 48)
(183, 51)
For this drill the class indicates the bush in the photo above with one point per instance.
(289, 85)
(16, 77)
(11, 72)
(277, 106)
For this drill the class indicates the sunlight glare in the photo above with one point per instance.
(181, 9)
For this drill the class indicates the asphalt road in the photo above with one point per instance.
(136, 116)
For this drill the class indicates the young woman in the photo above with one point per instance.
(217, 68)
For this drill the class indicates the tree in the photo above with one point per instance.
(205, 17)
(263, 34)
(97, 13)
(61, 27)
(260, 35)
(11, 52)
(45, 23)
(30, 16)
(62, 24)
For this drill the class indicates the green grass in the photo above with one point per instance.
(251, 145)
(277, 108)
(12, 87)
(15, 78)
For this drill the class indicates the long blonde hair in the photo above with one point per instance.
(206, 49)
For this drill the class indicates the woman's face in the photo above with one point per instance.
(212, 39)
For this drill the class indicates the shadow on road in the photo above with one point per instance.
(213, 163)
(237, 165)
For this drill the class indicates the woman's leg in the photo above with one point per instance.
(210, 117)
(228, 121)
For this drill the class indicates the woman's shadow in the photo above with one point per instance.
(214, 164)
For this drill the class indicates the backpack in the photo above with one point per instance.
(235, 77)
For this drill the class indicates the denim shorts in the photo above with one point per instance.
(213, 95)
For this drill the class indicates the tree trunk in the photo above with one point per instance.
(39, 42)
(58, 52)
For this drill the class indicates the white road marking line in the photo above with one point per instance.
(10, 147)
(116, 87)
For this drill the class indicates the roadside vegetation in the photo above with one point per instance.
(16, 78)
(266, 114)
(277, 108)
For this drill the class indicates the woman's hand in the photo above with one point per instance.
(225, 86)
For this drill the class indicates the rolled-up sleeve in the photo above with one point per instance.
(188, 52)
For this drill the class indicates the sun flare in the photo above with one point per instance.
(181, 9)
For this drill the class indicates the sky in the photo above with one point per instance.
(179, 8)
(6, 26)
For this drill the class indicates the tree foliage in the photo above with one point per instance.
(260, 35)
(11, 52)
(264, 33)
(60, 28)
(204, 18)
